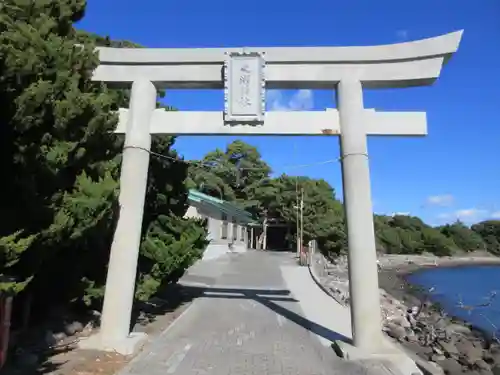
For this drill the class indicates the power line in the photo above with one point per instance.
(210, 165)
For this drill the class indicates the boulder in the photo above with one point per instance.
(412, 337)
(457, 328)
(438, 357)
(401, 321)
(449, 349)
(494, 353)
(482, 365)
(49, 338)
(450, 366)
(434, 368)
(59, 336)
(74, 327)
(411, 319)
(469, 353)
(395, 331)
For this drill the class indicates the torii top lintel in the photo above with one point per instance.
(413, 63)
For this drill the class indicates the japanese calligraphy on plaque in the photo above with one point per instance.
(244, 88)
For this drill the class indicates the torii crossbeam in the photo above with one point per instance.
(280, 123)
(244, 74)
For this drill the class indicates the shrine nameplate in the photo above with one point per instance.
(244, 88)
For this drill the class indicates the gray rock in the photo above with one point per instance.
(411, 319)
(450, 366)
(49, 338)
(477, 372)
(396, 331)
(494, 356)
(402, 321)
(482, 365)
(469, 354)
(489, 357)
(434, 368)
(457, 328)
(421, 351)
(412, 337)
(449, 349)
(441, 324)
(413, 310)
(438, 350)
(438, 357)
(59, 336)
(72, 328)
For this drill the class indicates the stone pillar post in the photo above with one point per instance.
(251, 238)
(363, 274)
(120, 282)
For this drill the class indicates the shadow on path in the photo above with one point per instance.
(268, 298)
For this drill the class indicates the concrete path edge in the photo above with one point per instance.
(341, 350)
(316, 279)
(143, 352)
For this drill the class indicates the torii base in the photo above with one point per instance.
(390, 355)
(127, 346)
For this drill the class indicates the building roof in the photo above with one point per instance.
(221, 205)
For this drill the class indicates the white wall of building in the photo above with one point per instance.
(216, 221)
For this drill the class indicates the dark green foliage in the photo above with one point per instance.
(323, 214)
(237, 174)
(434, 242)
(170, 246)
(464, 237)
(410, 235)
(490, 232)
(56, 143)
(58, 207)
(221, 174)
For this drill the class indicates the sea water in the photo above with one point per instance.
(471, 293)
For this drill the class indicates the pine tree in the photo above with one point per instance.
(61, 161)
(55, 135)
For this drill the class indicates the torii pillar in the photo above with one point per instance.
(247, 72)
(362, 256)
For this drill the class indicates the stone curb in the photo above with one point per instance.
(316, 279)
(423, 365)
(149, 344)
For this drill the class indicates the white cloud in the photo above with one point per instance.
(465, 215)
(495, 215)
(302, 100)
(400, 214)
(440, 200)
(470, 213)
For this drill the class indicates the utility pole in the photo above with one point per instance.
(264, 241)
(297, 219)
(296, 203)
(301, 218)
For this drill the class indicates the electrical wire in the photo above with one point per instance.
(210, 165)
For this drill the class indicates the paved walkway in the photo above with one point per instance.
(246, 322)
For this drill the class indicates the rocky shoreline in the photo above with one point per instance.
(408, 317)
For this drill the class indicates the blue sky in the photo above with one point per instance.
(453, 172)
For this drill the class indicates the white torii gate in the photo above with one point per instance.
(244, 74)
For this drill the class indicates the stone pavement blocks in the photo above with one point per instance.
(231, 332)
